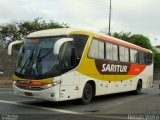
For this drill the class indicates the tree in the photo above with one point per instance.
(39, 24)
(136, 39)
(139, 40)
(19, 30)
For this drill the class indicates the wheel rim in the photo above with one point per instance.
(88, 93)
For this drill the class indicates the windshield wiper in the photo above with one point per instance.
(40, 58)
(27, 61)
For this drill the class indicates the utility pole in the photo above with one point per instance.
(110, 8)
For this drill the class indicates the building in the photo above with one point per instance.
(157, 48)
(157, 70)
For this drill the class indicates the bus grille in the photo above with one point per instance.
(36, 88)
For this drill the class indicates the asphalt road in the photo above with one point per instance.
(109, 107)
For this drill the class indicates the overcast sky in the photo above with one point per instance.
(136, 16)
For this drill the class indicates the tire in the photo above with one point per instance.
(139, 88)
(87, 94)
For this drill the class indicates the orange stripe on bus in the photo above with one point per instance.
(124, 43)
(136, 69)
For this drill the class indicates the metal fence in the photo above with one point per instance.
(7, 64)
(156, 75)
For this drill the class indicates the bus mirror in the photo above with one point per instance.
(12, 44)
(58, 44)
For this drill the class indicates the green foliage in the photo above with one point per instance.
(39, 24)
(139, 40)
(136, 39)
(19, 30)
(10, 31)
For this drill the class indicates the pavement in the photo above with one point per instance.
(5, 83)
(121, 106)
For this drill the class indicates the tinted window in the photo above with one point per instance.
(67, 56)
(80, 43)
(97, 49)
(142, 58)
(149, 58)
(136, 56)
(109, 51)
(93, 52)
(101, 50)
(115, 52)
(121, 54)
(126, 54)
(133, 56)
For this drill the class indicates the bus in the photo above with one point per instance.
(66, 64)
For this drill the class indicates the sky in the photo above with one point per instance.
(135, 16)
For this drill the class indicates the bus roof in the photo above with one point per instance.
(53, 32)
(67, 31)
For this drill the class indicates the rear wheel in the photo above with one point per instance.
(87, 94)
(139, 88)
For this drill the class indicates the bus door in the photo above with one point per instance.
(67, 65)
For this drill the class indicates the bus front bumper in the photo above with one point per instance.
(49, 94)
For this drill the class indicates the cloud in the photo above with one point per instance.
(137, 16)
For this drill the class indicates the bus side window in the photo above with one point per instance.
(142, 57)
(132, 52)
(149, 58)
(115, 52)
(134, 56)
(126, 54)
(93, 52)
(67, 59)
(96, 49)
(109, 51)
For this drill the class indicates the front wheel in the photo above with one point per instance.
(87, 94)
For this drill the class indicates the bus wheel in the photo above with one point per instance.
(87, 94)
(139, 88)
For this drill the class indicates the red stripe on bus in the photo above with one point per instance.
(35, 83)
(124, 43)
(136, 69)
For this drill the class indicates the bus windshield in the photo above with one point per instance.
(37, 57)
(49, 56)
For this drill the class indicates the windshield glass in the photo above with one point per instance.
(37, 57)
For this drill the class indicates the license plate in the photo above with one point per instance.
(28, 94)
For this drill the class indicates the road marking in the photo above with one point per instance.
(43, 108)
(28, 100)
(63, 111)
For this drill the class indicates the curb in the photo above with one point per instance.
(156, 81)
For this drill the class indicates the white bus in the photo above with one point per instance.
(65, 64)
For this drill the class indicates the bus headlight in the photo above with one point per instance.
(51, 85)
(14, 82)
(56, 83)
(47, 86)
